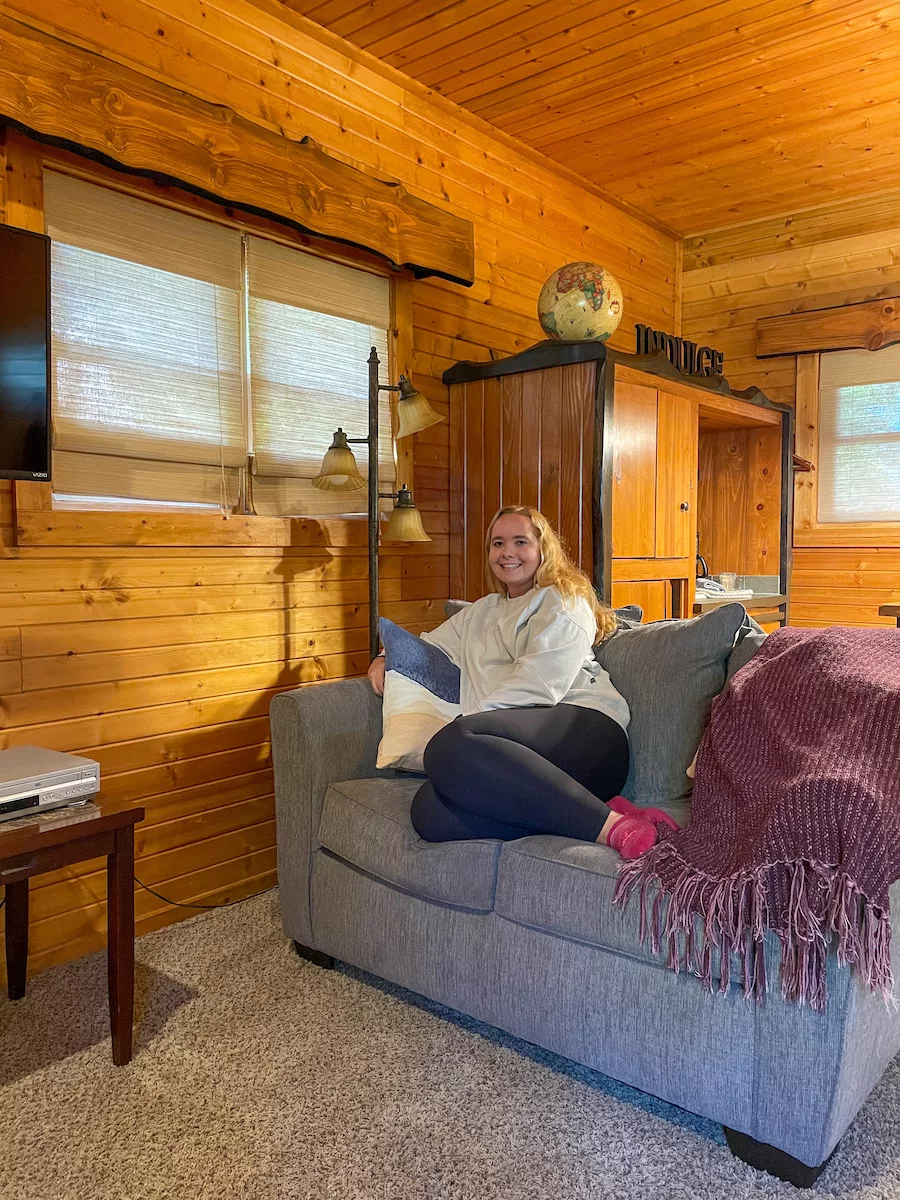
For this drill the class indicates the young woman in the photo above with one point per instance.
(541, 746)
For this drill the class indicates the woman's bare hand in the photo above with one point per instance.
(376, 675)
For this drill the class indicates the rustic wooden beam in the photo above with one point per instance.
(67, 96)
(869, 326)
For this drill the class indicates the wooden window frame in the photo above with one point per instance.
(809, 531)
(38, 523)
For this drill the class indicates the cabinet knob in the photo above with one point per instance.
(685, 506)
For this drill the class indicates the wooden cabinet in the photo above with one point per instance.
(653, 595)
(634, 472)
(676, 475)
(654, 478)
(631, 461)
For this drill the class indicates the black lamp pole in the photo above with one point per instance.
(374, 494)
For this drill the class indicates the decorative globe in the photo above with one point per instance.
(580, 302)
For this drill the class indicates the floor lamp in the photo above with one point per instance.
(340, 473)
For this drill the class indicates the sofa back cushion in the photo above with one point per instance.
(669, 672)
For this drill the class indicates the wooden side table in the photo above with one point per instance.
(890, 610)
(70, 836)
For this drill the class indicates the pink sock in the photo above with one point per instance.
(625, 808)
(632, 837)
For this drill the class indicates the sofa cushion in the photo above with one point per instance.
(366, 822)
(565, 887)
(421, 696)
(669, 672)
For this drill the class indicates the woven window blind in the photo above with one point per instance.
(146, 349)
(859, 435)
(312, 325)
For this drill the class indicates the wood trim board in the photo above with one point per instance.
(62, 94)
(869, 326)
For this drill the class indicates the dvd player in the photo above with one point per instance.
(33, 780)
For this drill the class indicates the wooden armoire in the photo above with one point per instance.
(640, 468)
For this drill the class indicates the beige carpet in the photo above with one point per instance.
(260, 1077)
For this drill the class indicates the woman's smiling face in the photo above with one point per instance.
(515, 553)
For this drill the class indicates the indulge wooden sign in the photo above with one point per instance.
(688, 357)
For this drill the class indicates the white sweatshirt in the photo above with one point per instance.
(534, 650)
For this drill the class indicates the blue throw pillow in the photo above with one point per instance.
(408, 655)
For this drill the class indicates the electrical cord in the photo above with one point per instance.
(179, 904)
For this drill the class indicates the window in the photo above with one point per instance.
(182, 346)
(312, 324)
(859, 436)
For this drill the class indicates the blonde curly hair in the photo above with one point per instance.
(556, 569)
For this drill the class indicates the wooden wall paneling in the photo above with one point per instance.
(458, 485)
(493, 480)
(763, 549)
(806, 483)
(802, 262)
(530, 488)
(474, 502)
(289, 79)
(588, 424)
(23, 183)
(513, 447)
(576, 396)
(722, 515)
(524, 438)
(550, 451)
(401, 363)
(634, 471)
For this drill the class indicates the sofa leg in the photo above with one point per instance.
(769, 1158)
(316, 957)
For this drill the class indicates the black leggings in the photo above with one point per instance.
(519, 771)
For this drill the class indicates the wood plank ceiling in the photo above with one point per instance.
(700, 114)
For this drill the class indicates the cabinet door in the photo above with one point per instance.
(634, 472)
(676, 476)
(652, 595)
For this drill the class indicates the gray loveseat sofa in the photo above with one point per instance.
(523, 935)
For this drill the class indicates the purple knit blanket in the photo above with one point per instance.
(795, 822)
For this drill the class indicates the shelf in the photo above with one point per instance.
(754, 603)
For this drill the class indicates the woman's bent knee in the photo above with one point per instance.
(444, 746)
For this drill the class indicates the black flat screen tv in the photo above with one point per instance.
(24, 354)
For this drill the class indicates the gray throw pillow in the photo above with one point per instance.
(452, 607)
(629, 616)
(669, 672)
(749, 639)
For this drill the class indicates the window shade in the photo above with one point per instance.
(859, 435)
(312, 326)
(146, 348)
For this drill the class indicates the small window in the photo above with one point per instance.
(146, 349)
(182, 346)
(859, 435)
(312, 325)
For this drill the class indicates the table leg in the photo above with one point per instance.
(16, 938)
(120, 895)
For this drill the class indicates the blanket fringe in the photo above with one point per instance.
(703, 920)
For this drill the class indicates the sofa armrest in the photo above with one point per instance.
(320, 734)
